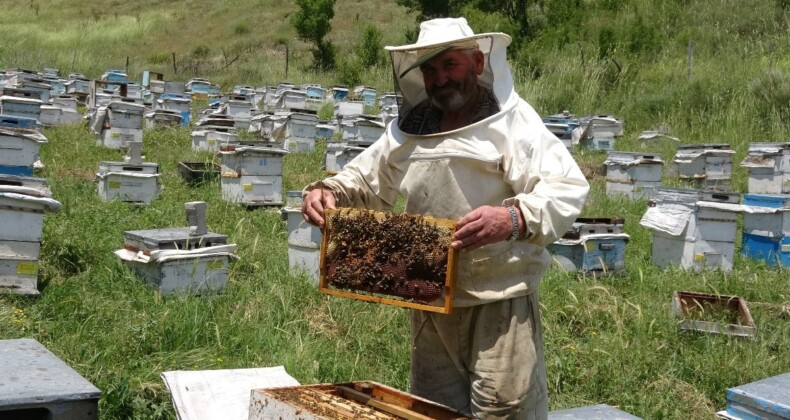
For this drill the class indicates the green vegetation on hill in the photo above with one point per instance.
(610, 340)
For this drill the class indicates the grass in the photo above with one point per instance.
(610, 340)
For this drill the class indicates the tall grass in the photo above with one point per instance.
(608, 340)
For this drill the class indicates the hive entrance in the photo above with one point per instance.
(401, 256)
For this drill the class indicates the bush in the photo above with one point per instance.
(369, 51)
(350, 72)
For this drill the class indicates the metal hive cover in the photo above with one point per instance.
(768, 397)
(171, 238)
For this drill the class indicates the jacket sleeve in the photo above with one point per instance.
(549, 186)
(365, 182)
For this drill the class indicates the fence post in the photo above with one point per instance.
(175, 70)
(691, 57)
(286, 60)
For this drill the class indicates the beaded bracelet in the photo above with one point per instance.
(514, 218)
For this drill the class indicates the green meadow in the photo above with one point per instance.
(703, 71)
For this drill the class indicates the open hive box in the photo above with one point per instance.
(718, 314)
(355, 400)
(395, 259)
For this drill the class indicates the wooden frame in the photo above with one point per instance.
(449, 285)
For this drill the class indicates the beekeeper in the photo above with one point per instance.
(465, 146)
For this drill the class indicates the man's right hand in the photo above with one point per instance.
(314, 204)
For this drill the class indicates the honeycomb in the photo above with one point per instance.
(399, 255)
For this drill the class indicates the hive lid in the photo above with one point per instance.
(44, 378)
(171, 238)
(767, 398)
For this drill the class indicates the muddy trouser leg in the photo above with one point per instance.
(486, 360)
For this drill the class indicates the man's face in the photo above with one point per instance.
(451, 78)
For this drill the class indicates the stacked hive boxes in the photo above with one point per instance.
(19, 145)
(252, 175)
(180, 260)
(131, 181)
(766, 228)
(23, 202)
(633, 174)
(705, 166)
(593, 246)
(304, 240)
(769, 168)
(119, 123)
(693, 229)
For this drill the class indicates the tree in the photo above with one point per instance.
(370, 51)
(312, 25)
(516, 11)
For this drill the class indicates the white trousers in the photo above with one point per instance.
(484, 360)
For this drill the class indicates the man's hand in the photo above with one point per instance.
(482, 226)
(314, 204)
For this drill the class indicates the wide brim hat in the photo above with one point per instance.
(440, 35)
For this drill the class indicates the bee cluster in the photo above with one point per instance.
(399, 255)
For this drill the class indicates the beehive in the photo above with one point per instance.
(347, 401)
(396, 259)
(592, 246)
(129, 182)
(19, 149)
(180, 260)
(693, 229)
(769, 168)
(252, 175)
(766, 228)
(39, 385)
(705, 166)
(633, 174)
(304, 241)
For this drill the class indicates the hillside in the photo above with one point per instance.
(608, 340)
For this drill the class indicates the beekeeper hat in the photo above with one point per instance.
(440, 35)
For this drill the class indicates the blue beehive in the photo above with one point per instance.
(766, 228)
(764, 399)
(593, 246)
(12, 121)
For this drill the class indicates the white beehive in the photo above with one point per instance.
(301, 132)
(705, 166)
(132, 181)
(252, 175)
(21, 107)
(180, 260)
(212, 140)
(304, 243)
(23, 200)
(693, 229)
(361, 129)
(633, 174)
(769, 168)
(19, 150)
(118, 138)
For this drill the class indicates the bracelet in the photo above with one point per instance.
(514, 218)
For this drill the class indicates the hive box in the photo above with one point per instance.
(176, 260)
(45, 386)
(769, 168)
(211, 140)
(592, 412)
(633, 174)
(705, 166)
(129, 182)
(766, 228)
(304, 243)
(764, 399)
(19, 150)
(361, 399)
(592, 246)
(693, 229)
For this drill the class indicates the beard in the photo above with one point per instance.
(453, 95)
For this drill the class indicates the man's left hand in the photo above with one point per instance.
(482, 226)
